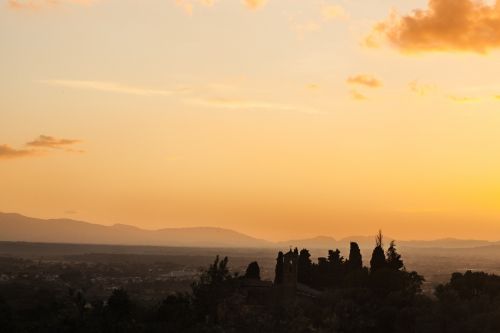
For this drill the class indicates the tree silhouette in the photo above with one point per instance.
(278, 276)
(253, 271)
(355, 261)
(211, 288)
(394, 260)
(378, 256)
(334, 258)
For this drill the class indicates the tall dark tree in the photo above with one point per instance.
(355, 261)
(253, 271)
(394, 260)
(378, 256)
(304, 267)
(278, 273)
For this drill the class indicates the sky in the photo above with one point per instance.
(280, 118)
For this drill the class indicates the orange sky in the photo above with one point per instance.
(280, 119)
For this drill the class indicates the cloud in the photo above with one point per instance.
(45, 141)
(7, 152)
(445, 26)
(41, 4)
(112, 87)
(254, 4)
(38, 146)
(365, 80)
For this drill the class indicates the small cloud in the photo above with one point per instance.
(38, 147)
(444, 26)
(356, 95)
(45, 141)
(254, 4)
(70, 212)
(364, 80)
(7, 152)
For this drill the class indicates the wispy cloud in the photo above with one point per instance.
(365, 80)
(7, 152)
(445, 25)
(38, 147)
(46, 141)
(112, 87)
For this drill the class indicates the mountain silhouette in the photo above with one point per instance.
(16, 227)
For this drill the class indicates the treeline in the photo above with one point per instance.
(386, 272)
(383, 297)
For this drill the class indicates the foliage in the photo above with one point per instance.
(253, 271)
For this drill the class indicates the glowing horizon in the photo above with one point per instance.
(279, 120)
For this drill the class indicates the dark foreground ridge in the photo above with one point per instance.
(334, 294)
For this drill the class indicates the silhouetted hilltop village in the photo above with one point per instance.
(333, 294)
(297, 277)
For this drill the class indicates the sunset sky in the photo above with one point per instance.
(279, 118)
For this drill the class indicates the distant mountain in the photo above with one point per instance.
(449, 243)
(367, 242)
(15, 227)
(320, 242)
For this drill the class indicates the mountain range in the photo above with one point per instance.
(16, 227)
